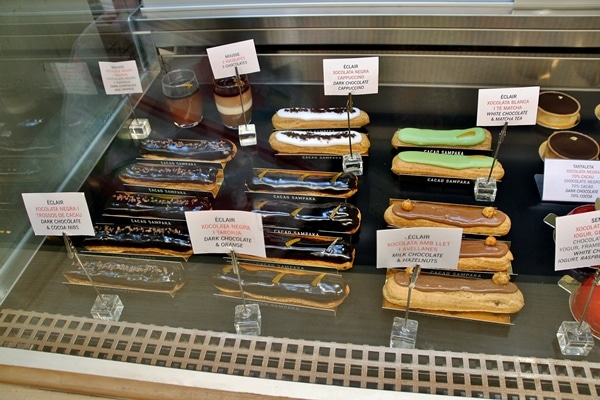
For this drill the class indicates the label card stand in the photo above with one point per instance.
(107, 307)
(575, 338)
(352, 162)
(404, 330)
(247, 319)
(246, 132)
(485, 189)
(139, 128)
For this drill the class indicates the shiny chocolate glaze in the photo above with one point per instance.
(434, 283)
(155, 206)
(307, 286)
(478, 248)
(297, 181)
(140, 275)
(334, 216)
(557, 103)
(140, 171)
(308, 248)
(205, 150)
(137, 236)
(318, 110)
(573, 145)
(450, 214)
(229, 87)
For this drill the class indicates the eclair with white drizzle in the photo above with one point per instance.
(335, 142)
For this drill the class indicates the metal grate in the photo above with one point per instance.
(371, 367)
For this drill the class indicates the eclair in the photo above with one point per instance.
(221, 150)
(309, 251)
(486, 254)
(341, 217)
(471, 138)
(148, 205)
(444, 293)
(308, 183)
(472, 219)
(445, 165)
(335, 142)
(318, 118)
(139, 239)
(296, 287)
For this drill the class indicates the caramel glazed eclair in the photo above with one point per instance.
(296, 287)
(309, 251)
(443, 293)
(338, 217)
(471, 138)
(445, 165)
(472, 219)
(221, 150)
(318, 118)
(334, 142)
(486, 254)
(307, 183)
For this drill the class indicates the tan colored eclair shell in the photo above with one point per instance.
(499, 258)
(400, 167)
(485, 145)
(450, 210)
(485, 263)
(455, 301)
(285, 148)
(298, 123)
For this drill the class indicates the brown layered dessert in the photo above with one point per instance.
(557, 110)
(472, 219)
(233, 98)
(571, 145)
(303, 288)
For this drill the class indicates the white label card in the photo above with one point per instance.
(434, 248)
(351, 75)
(52, 214)
(571, 180)
(221, 231)
(517, 106)
(223, 59)
(577, 241)
(120, 77)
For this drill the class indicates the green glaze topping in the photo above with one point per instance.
(446, 160)
(432, 137)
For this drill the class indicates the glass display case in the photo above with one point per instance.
(433, 58)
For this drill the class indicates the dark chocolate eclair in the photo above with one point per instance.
(306, 288)
(333, 183)
(310, 250)
(332, 216)
(144, 172)
(133, 204)
(139, 239)
(132, 274)
(204, 150)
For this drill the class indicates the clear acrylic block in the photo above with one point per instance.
(352, 163)
(107, 307)
(404, 335)
(139, 128)
(575, 338)
(247, 134)
(485, 189)
(247, 319)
